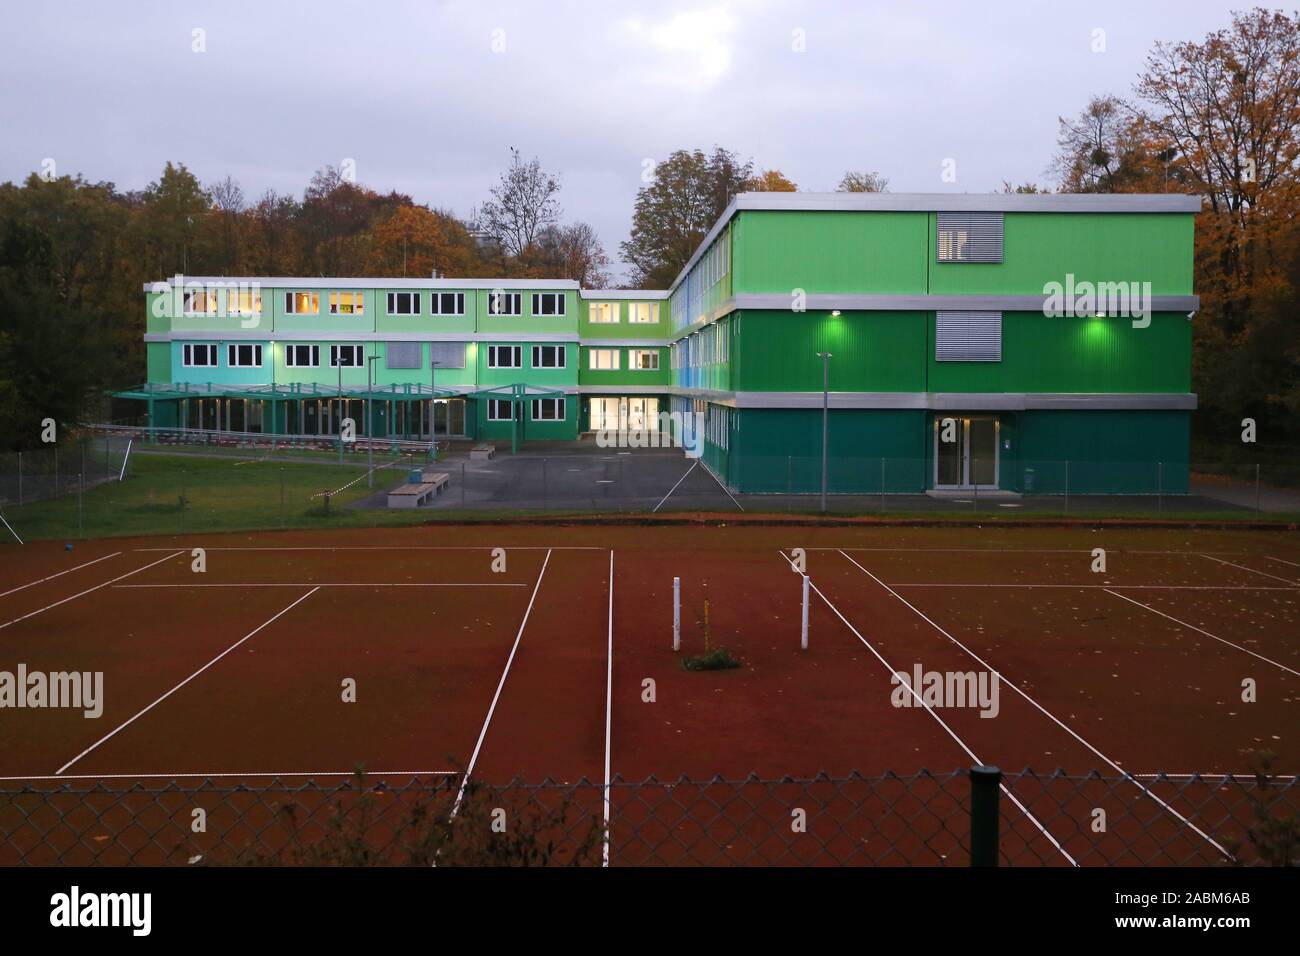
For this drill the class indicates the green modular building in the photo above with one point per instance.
(1014, 343)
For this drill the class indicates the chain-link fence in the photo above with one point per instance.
(61, 469)
(975, 817)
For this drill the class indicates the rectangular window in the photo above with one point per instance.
(643, 312)
(347, 303)
(404, 354)
(403, 303)
(499, 410)
(200, 302)
(243, 302)
(244, 356)
(302, 356)
(548, 356)
(968, 336)
(548, 409)
(645, 360)
(548, 303)
(605, 360)
(347, 356)
(969, 237)
(199, 356)
(505, 356)
(602, 313)
(447, 354)
(302, 303)
(505, 303)
(447, 303)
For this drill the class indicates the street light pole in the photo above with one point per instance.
(370, 424)
(433, 421)
(340, 422)
(826, 404)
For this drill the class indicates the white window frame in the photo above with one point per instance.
(638, 309)
(357, 351)
(232, 353)
(187, 355)
(494, 356)
(291, 303)
(356, 299)
(612, 354)
(541, 298)
(493, 408)
(414, 297)
(556, 402)
(513, 301)
(208, 298)
(561, 354)
(634, 360)
(595, 310)
(291, 356)
(435, 303)
(238, 296)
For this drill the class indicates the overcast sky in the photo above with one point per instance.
(428, 97)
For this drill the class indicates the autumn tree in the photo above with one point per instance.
(415, 241)
(572, 252)
(173, 209)
(673, 212)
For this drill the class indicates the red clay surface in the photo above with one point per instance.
(239, 672)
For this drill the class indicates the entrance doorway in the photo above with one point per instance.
(624, 414)
(966, 451)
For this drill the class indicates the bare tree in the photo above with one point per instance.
(863, 182)
(574, 252)
(523, 203)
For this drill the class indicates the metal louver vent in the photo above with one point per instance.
(968, 337)
(403, 354)
(447, 354)
(969, 237)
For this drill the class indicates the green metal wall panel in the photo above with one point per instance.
(567, 323)
(158, 358)
(624, 375)
(1120, 452)
(1094, 247)
(871, 351)
(1042, 354)
(780, 251)
(623, 328)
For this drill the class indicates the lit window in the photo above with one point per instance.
(243, 302)
(200, 302)
(602, 313)
(643, 312)
(646, 360)
(302, 303)
(603, 359)
(347, 303)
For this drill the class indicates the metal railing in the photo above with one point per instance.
(951, 819)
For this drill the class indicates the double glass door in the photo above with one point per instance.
(966, 451)
(624, 414)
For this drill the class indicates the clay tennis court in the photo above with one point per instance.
(492, 654)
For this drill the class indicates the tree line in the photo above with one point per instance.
(1219, 118)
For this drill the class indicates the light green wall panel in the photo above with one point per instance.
(624, 329)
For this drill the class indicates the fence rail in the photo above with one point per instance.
(950, 819)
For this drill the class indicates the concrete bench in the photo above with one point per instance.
(411, 496)
(439, 480)
(482, 452)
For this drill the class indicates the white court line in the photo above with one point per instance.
(1206, 633)
(951, 733)
(340, 584)
(260, 773)
(1269, 557)
(1056, 720)
(411, 547)
(609, 697)
(482, 734)
(695, 464)
(1012, 551)
(146, 710)
(1252, 570)
(60, 574)
(88, 590)
(1126, 587)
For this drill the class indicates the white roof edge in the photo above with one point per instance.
(944, 202)
(345, 283)
(597, 294)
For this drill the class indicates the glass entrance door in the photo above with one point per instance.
(966, 451)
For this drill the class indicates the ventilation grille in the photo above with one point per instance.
(969, 237)
(968, 337)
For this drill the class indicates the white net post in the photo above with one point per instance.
(803, 632)
(677, 614)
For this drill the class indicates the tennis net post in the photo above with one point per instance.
(803, 639)
(677, 614)
(985, 790)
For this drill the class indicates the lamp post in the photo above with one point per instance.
(370, 410)
(340, 424)
(826, 404)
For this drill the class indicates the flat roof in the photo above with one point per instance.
(345, 283)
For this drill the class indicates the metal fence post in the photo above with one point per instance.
(1257, 502)
(20, 479)
(1160, 486)
(1067, 486)
(282, 495)
(985, 790)
(81, 484)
